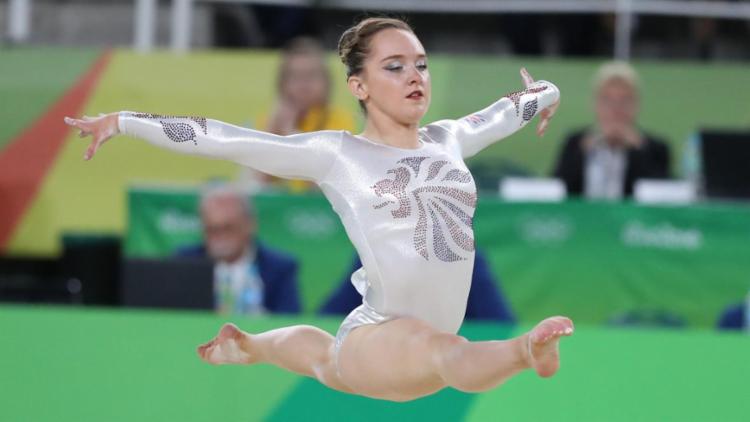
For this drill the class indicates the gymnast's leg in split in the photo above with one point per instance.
(400, 360)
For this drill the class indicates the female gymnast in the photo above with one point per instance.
(406, 199)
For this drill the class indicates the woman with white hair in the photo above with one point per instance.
(605, 160)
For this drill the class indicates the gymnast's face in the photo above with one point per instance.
(395, 81)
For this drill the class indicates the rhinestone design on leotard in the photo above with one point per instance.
(413, 162)
(458, 176)
(178, 128)
(529, 110)
(445, 202)
(435, 169)
(516, 98)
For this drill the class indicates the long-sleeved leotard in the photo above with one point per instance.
(408, 212)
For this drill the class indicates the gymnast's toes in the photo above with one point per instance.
(551, 328)
(226, 348)
(544, 342)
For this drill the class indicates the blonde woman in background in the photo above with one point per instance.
(303, 99)
(605, 160)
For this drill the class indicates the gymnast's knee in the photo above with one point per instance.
(452, 364)
(446, 348)
(446, 342)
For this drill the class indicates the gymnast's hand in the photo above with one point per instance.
(545, 114)
(101, 128)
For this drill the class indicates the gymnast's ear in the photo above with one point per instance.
(357, 87)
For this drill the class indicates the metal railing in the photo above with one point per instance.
(144, 25)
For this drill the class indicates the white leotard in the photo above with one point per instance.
(408, 212)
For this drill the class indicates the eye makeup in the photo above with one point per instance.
(397, 66)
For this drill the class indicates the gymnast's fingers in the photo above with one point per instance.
(546, 116)
(553, 108)
(542, 127)
(83, 128)
(544, 123)
(72, 122)
(94, 146)
(90, 150)
(527, 79)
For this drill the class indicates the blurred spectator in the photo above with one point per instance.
(485, 301)
(736, 317)
(733, 318)
(303, 93)
(605, 160)
(249, 278)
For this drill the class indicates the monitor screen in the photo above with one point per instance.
(726, 164)
(167, 283)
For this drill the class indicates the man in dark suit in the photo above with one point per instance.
(485, 301)
(605, 161)
(249, 278)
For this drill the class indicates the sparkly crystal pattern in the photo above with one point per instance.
(435, 169)
(529, 109)
(443, 208)
(458, 176)
(413, 162)
(179, 132)
(178, 128)
(516, 98)
(396, 187)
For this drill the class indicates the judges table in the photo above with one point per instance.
(600, 263)
(66, 364)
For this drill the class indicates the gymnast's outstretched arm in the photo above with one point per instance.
(504, 117)
(303, 349)
(303, 156)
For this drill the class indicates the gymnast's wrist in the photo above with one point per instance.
(551, 94)
(553, 89)
(118, 121)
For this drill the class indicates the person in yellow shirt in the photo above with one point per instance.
(302, 104)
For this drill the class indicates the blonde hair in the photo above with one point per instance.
(616, 71)
(303, 46)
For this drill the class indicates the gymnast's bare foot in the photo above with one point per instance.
(229, 346)
(543, 344)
